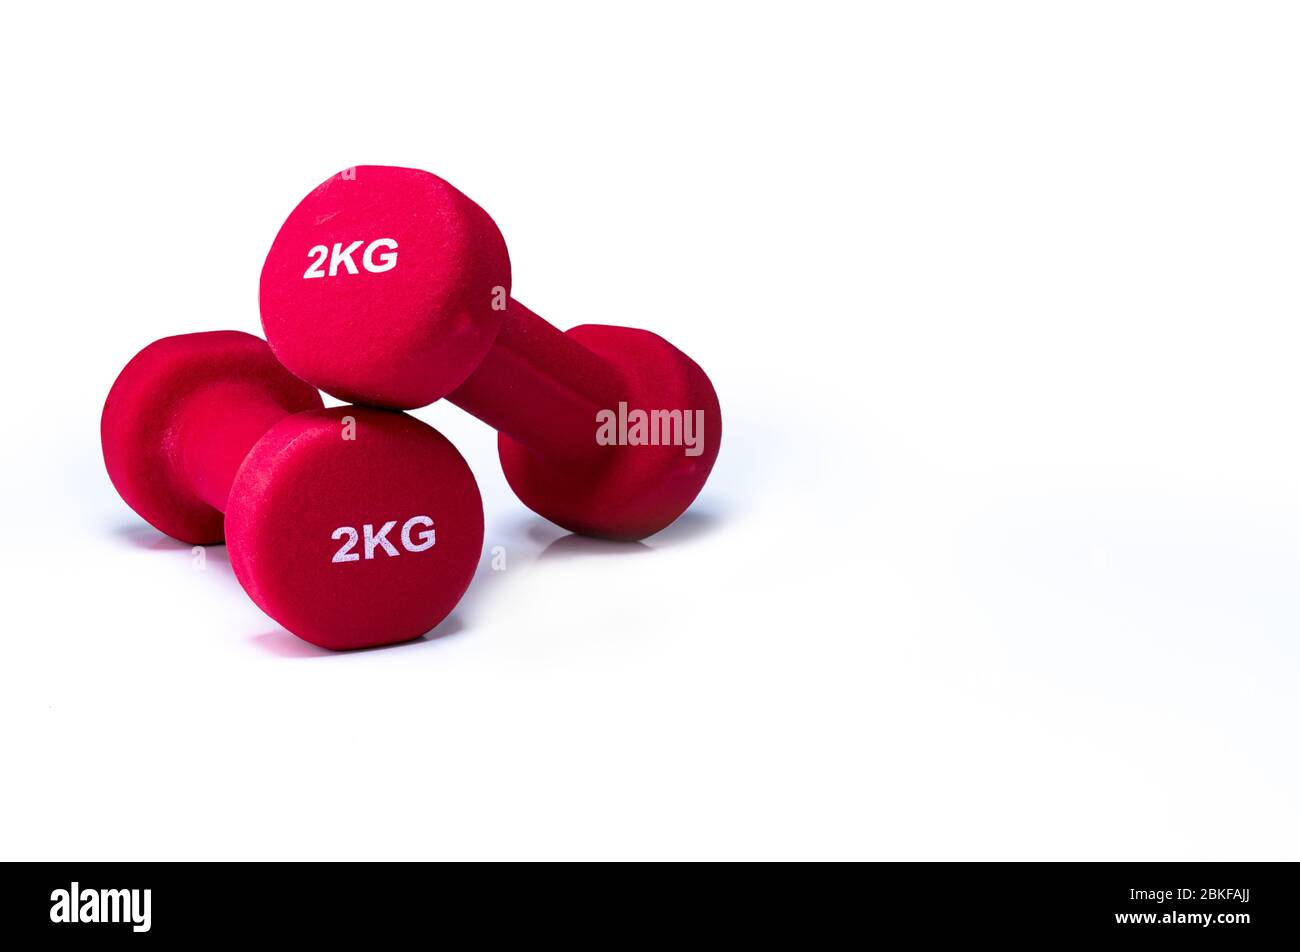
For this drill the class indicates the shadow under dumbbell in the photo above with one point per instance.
(282, 644)
(147, 537)
(205, 559)
(690, 525)
(277, 642)
(576, 546)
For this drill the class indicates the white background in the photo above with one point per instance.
(1001, 557)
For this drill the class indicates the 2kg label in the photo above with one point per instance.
(371, 540)
(341, 256)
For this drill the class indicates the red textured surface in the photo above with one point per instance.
(400, 338)
(403, 337)
(186, 404)
(628, 492)
(542, 387)
(302, 481)
(203, 422)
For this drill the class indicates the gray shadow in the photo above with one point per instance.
(486, 580)
(144, 536)
(693, 524)
(541, 532)
(577, 546)
(282, 644)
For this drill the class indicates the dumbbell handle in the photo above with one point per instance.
(215, 430)
(542, 389)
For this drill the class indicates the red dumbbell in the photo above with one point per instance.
(388, 286)
(348, 532)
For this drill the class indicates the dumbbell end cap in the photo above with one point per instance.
(385, 286)
(634, 491)
(306, 526)
(138, 426)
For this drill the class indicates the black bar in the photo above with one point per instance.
(1227, 903)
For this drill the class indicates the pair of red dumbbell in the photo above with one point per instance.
(360, 525)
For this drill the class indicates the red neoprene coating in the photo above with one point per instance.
(384, 286)
(181, 417)
(303, 483)
(542, 388)
(215, 429)
(350, 526)
(438, 322)
(626, 492)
